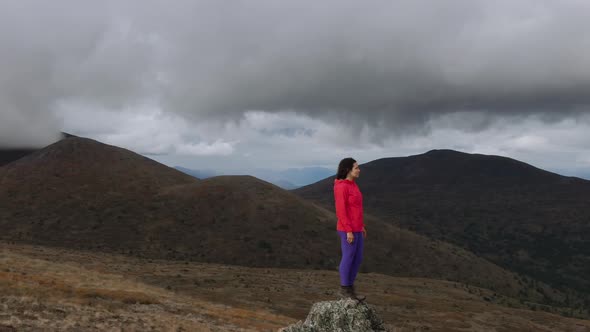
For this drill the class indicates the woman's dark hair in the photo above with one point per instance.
(344, 167)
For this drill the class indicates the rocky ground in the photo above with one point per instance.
(58, 289)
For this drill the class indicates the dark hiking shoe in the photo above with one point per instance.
(357, 296)
(346, 292)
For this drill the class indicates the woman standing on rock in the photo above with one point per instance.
(350, 227)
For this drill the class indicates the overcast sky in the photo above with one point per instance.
(276, 84)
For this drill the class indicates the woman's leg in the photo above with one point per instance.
(358, 256)
(348, 253)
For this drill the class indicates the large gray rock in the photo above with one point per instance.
(339, 316)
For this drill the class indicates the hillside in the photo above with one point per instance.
(51, 289)
(79, 193)
(8, 155)
(522, 218)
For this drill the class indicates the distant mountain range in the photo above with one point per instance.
(521, 217)
(199, 174)
(82, 194)
(291, 178)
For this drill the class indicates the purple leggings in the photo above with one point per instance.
(352, 255)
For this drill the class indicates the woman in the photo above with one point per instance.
(350, 227)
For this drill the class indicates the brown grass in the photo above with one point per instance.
(57, 289)
(56, 295)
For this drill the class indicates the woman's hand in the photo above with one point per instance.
(349, 237)
(364, 232)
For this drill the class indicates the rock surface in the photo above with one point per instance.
(341, 316)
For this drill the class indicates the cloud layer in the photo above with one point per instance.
(386, 66)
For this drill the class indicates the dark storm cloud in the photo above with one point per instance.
(64, 51)
(391, 64)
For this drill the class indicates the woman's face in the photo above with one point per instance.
(355, 172)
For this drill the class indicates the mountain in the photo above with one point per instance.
(204, 174)
(12, 154)
(63, 193)
(284, 184)
(292, 178)
(581, 172)
(287, 179)
(199, 174)
(514, 214)
(82, 194)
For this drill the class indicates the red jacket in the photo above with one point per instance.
(349, 206)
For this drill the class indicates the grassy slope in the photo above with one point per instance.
(520, 217)
(57, 288)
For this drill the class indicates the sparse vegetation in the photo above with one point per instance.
(143, 209)
(525, 219)
(55, 289)
(262, 244)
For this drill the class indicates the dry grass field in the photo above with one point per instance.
(55, 289)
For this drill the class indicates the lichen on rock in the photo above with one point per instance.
(339, 316)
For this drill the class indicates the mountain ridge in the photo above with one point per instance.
(519, 216)
(82, 194)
